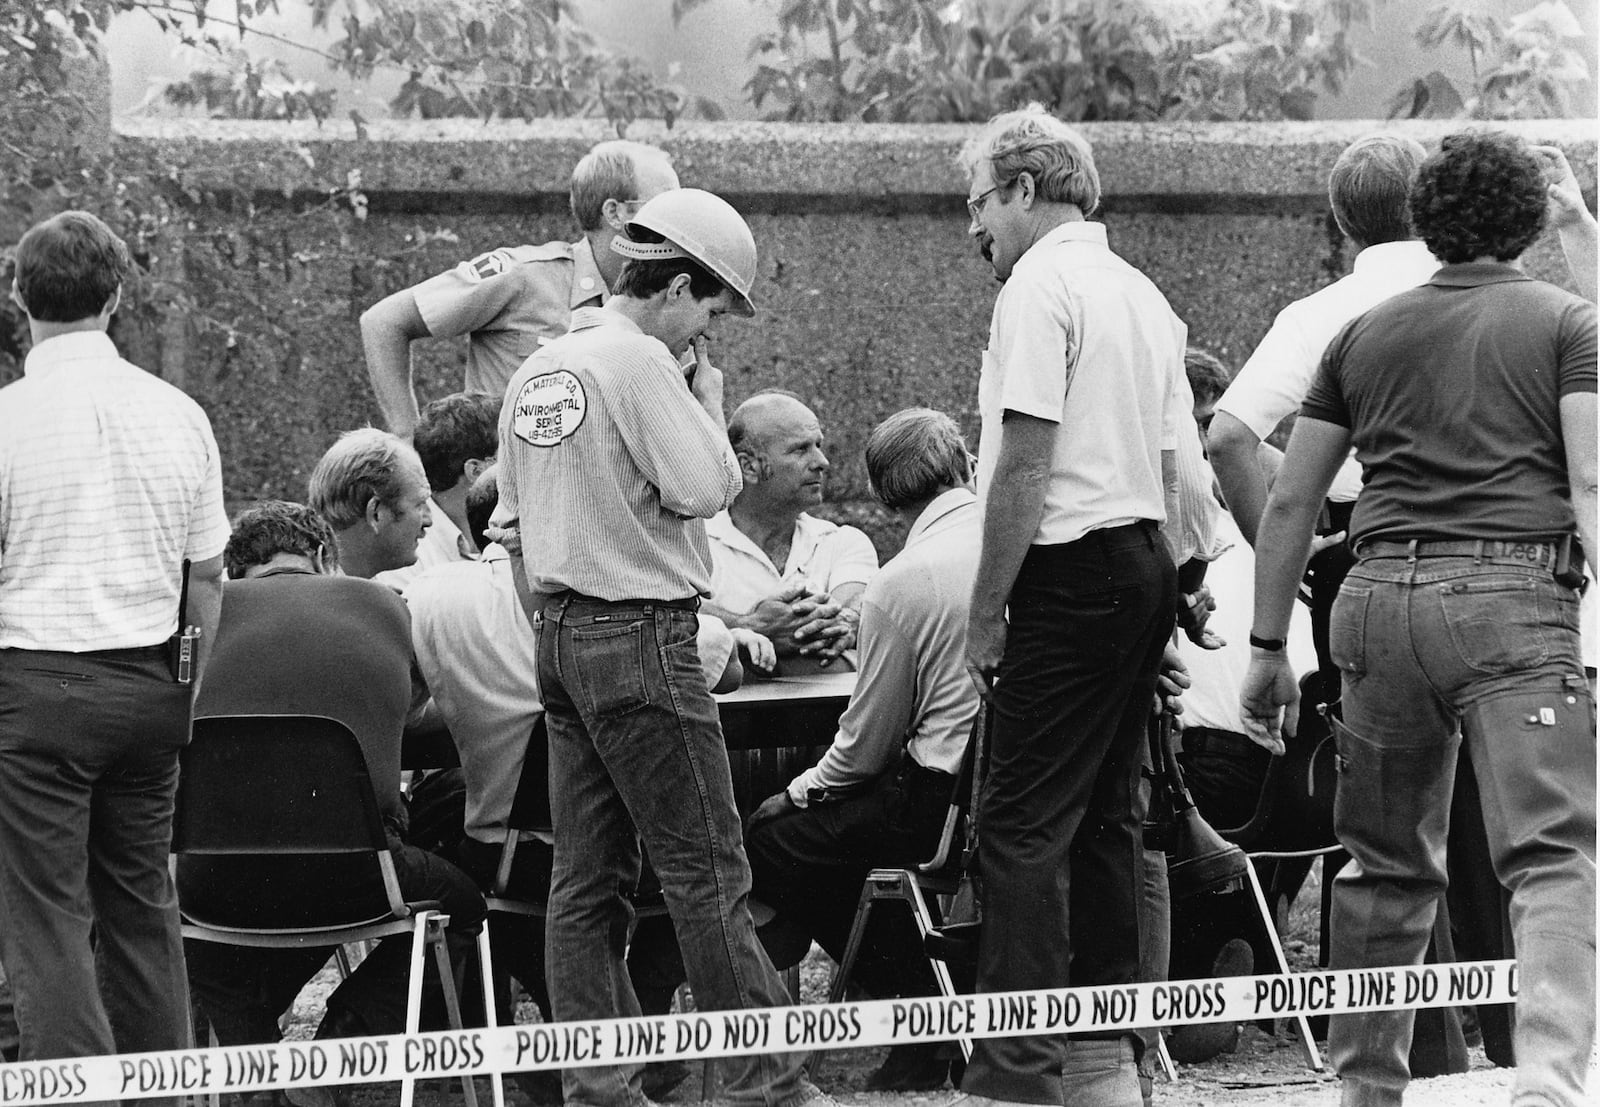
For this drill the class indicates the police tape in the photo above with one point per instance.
(456, 1053)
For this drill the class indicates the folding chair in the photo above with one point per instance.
(1293, 820)
(296, 786)
(940, 875)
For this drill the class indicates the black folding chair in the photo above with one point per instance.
(940, 875)
(296, 787)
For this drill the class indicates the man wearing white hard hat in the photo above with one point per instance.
(615, 461)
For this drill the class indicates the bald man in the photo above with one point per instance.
(776, 569)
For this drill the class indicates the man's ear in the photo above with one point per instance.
(679, 286)
(1027, 189)
(112, 304)
(750, 466)
(16, 298)
(474, 467)
(375, 513)
(614, 212)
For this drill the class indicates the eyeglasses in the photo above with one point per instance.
(976, 205)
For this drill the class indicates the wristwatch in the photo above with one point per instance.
(1275, 645)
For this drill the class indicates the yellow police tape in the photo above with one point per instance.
(456, 1053)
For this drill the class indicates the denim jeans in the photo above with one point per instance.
(1061, 850)
(1490, 646)
(636, 751)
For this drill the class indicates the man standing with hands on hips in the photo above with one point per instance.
(616, 464)
(1074, 599)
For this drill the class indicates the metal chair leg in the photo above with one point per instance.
(491, 1014)
(419, 939)
(1307, 1042)
(451, 987)
(890, 884)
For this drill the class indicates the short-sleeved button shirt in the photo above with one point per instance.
(822, 555)
(510, 302)
(109, 479)
(1082, 339)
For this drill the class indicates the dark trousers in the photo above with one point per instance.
(88, 769)
(516, 941)
(809, 865)
(1061, 851)
(242, 991)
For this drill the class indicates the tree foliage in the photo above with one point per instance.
(490, 59)
(1525, 67)
(915, 61)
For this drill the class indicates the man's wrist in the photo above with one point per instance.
(1265, 644)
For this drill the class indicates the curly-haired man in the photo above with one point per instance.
(1460, 616)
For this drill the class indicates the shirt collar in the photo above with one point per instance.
(1392, 254)
(1470, 274)
(72, 346)
(447, 529)
(585, 268)
(1076, 230)
(587, 318)
(722, 527)
(938, 508)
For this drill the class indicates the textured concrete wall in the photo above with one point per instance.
(872, 297)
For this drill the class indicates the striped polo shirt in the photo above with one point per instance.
(611, 466)
(109, 478)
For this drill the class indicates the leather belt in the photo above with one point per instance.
(1534, 554)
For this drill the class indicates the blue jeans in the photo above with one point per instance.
(636, 751)
(1489, 646)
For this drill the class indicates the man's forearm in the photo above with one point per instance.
(387, 330)
(1013, 506)
(1315, 453)
(1578, 243)
(1281, 553)
(1233, 448)
(531, 600)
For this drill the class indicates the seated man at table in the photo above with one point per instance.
(775, 568)
(880, 793)
(296, 639)
(372, 490)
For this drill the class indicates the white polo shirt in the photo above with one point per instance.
(1276, 378)
(822, 555)
(109, 478)
(1082, 339)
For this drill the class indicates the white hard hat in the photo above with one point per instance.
(704, 228)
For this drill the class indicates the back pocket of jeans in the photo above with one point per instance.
(1347, 628)
(610, 667)
(1496, 624)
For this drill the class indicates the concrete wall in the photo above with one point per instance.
(872, 296)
